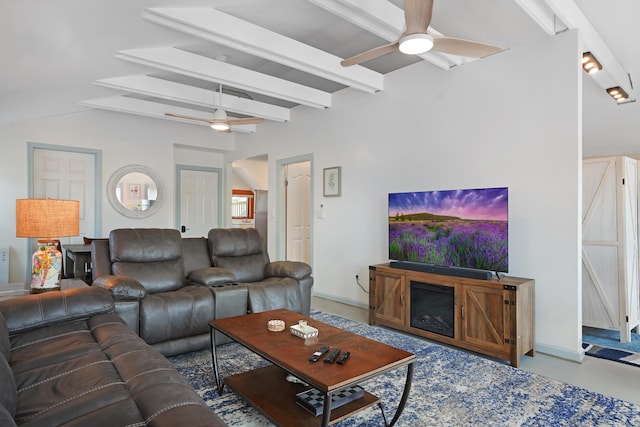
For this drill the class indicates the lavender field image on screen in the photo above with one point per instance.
(461, 228)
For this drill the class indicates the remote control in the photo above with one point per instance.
(332, 356)
(316, 356)
(343, 358)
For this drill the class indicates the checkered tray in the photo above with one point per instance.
(313, 400)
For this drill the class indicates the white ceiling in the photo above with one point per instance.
(64, 56)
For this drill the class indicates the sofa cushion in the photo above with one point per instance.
(145, 244)
(8, 394)
(156, 277)
(195, 253)
(245, 269)
(239, 250)
(171, 315)
(152, 256)
(274, 293)
(61, 373)
(34, 311)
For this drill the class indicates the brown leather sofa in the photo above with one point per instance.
(67, 359)
(167, 289)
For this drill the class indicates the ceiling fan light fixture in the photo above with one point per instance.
(415, 44)
(220, 126)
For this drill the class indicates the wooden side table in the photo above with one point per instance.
(78, 261)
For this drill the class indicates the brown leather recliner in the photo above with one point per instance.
(144, 270)
(271, 285)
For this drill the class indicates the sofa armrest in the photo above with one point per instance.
(295, 269)
(34, 311)
(122, 288)
(212, 276)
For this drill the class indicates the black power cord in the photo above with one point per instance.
(361, 287)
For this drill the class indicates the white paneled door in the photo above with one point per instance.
(298, 200)
(67, 175)
(199, 201)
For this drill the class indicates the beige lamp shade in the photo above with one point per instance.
(47, 218)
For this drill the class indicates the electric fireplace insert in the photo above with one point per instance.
(432, 308)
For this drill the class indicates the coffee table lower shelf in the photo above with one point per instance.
(267, 390)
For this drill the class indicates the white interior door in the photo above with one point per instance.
(298, 210)
(199, 201)
(67, 175)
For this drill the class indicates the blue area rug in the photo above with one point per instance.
(611, 339)
(450, 387)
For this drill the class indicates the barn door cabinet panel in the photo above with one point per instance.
(610, 285)
(387, 299)
(493, 317)
(484, 314)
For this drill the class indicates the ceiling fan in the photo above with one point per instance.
(415, 40)
(221, 122)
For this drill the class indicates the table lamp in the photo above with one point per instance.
(47, 219)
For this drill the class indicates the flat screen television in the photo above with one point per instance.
(455, 228)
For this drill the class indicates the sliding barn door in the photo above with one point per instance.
(610, 288)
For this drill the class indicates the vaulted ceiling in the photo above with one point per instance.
(152, 57)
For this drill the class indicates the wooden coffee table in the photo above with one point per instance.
(267, 388)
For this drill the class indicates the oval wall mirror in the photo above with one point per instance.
(135, 191)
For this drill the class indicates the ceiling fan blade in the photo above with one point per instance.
(417, 15)
(463, 47)
(180, 116)
(245, 121)
(370, 54)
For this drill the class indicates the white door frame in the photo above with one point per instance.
(281, 223)
(178, 203)
(97, 168)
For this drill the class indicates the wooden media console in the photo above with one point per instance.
(493, 317)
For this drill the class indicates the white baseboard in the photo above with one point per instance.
(560, 352)
(341, 300)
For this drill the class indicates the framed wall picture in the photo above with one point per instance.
(134, 191)
(332, 181)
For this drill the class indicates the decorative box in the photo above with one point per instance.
(304, 332)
